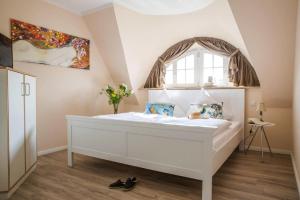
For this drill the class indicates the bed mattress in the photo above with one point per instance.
(218, 124)
(221, 139)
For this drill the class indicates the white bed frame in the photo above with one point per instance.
(183, 151)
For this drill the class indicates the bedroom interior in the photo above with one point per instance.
(119, 99)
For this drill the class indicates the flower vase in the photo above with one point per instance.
(116, 106)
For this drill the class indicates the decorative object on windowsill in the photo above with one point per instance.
(210, 82)
(115, 96)
(261, 107)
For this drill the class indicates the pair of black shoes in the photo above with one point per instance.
(126, 186)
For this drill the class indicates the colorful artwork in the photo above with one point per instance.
(160, 108)
(36, 44)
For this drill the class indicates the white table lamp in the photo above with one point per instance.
(261, 107)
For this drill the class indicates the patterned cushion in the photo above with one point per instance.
(212, 111)
(160, 108)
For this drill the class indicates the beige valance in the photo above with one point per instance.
(241, 72)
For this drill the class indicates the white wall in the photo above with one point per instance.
(268, 30)
(296, 102)
(60, 91)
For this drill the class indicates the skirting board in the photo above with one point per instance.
(296, 172)
(52, 150)
(265, 149)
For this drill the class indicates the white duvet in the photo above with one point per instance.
(218, 124)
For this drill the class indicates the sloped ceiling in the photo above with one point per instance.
(146, 37)
(268, 29)
(130, 42)
(137, 40)
(105, 31)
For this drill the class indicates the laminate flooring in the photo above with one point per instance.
(242, 177)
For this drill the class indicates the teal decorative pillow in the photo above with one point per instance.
(160, 108)
(212, 111)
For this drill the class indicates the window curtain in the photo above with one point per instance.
(240, 70)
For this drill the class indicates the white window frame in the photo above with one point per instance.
(198, 68)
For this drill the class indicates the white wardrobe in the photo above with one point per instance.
(18, 151)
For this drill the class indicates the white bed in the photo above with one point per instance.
(188, 148)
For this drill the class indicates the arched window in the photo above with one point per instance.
(198, 67)
(217, 61)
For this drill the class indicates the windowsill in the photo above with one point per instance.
(199, 87)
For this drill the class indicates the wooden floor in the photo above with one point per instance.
(241, 177)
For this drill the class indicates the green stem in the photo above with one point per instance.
(116, 106)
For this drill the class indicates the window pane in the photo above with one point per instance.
(190, 62)
(207, 72)
(170, 67)
(190, 76)
(180, 76)
(218, 61)
(181, 63)
(187, 69)
(169, 77)
(226, 61)
(207, 60)
(219, 75)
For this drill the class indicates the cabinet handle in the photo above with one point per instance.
(23, 89)
(27, 94)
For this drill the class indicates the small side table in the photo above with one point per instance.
(258, 126)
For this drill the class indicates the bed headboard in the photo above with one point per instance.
(233, 99)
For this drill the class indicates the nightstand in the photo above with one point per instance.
(258, 126)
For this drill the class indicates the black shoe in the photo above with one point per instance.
(133, 179)
(117, 185)
(129, 184)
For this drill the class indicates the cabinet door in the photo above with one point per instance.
(16, 127)
(3, 132)
(30, 121)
